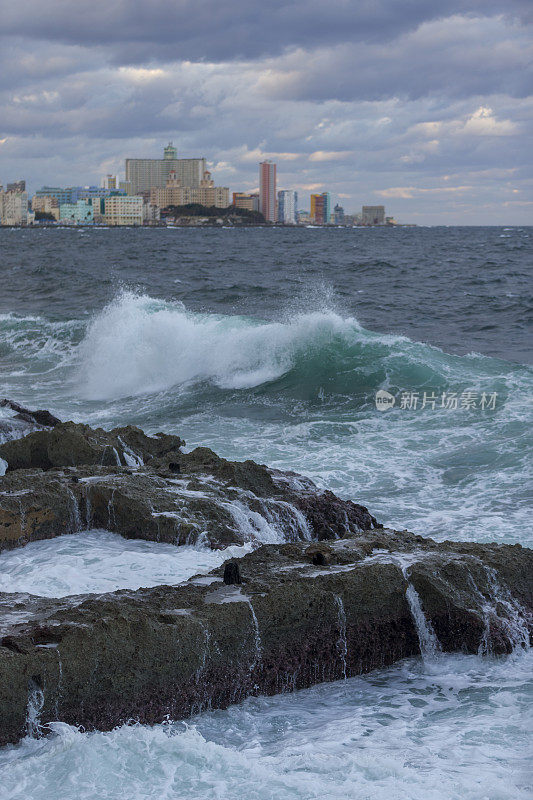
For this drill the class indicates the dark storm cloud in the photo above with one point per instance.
(456, 57)
(139, 31)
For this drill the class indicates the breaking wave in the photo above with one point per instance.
(137, 345)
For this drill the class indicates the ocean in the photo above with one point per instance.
(271, 344)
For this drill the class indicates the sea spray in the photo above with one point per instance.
(342, 644)
(75, 511)
(509, 614)
(131, 458)
(34, 707)
(427, 638)
(257, 639)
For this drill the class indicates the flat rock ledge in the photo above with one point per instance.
(301, 614)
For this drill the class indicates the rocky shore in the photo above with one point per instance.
(327, 593)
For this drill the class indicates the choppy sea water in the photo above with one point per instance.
(271, 345)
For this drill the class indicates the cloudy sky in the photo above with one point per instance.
(424, 106)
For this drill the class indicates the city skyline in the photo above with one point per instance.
(426, 108)
(173, 180)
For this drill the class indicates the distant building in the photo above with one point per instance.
(125, 187)
(111, 182)
(303, 217)
(327, 208)
(45, 205)
(321, 208)
(373, 215)
(148, 173)
(352, 219)
(248, 201)
(123, 210)
(92, 192)
(338, 215)
(14, 207)
(267, 190)
(176, 194)
(72, 194)
(17, 186)
(79, 213)
(68, 195)
(151, 214)
(287, 206)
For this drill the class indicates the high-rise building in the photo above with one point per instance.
(267, 190)
(111, 182)
(373, 215)
(338, 215)
(321, 208)
(287, 206)
(327, 207)
(144, 174)
(13, 208)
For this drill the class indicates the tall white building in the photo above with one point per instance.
(143, 174)
(287, 206)
(13, 207)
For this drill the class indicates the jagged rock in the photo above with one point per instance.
(35, 506)
(103, 660)
(152, 504)
(71, 444)
(42, 418)
(73, 477)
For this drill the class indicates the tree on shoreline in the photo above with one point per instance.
(198, 210)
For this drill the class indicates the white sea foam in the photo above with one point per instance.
(138, 345)
(99, 561)
(457, 732)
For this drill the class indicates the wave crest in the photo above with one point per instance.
(138, 345)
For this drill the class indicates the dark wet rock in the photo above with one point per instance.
(319, 554)
(232, 573)
(42, 417)
(103, 660)
(35, 505)
(149, 503)
(71, 444)
(73, 477)
(332, 517)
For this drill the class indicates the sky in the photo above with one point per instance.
(422, 106)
